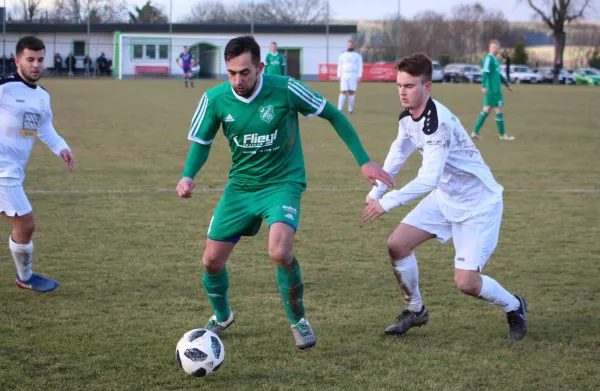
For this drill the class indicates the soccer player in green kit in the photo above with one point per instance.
(275, 62)
(259, 116)
(491, 88)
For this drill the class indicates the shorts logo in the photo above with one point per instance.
(289, 216)
(289, 209)
(267, 113)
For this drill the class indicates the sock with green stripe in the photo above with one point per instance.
(480, 121)
(216, 286)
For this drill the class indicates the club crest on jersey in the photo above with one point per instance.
(267, 113)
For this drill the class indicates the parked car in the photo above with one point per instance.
(522, 74)
(589, 76)
(438, 74)
(564, 77)
(462, 73)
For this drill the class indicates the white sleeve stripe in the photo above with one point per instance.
(302, 88)
(486, 64)
(198, 109)
(304, 97)
(196, 124)
(200, 141)
(314, 102)
(319, 110)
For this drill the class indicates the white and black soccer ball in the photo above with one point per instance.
(200, 352)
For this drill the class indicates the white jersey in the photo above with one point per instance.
(24, 114)
(350, 63)
(451, 163)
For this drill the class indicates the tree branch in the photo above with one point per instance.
(541, 13)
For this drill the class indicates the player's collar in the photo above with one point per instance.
(274, 54)
(18, 77)
(256, 92)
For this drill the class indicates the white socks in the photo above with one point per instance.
(407, 274)
(351, 100)
(23, 256)
(495, 294)
(341, 102)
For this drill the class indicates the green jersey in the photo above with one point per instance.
(274, 64)
(492, 74)
(262, 130)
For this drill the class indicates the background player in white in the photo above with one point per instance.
(24, 114)
(464, 201)
(350, 69)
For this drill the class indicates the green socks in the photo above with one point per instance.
(480, 120)
(291, 287)
(500, 123)
(216, 286)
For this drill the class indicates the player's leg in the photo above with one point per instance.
(487, 107)
(343, 92)
(475, 240)
(500, 121)
(15, 207)
(423, 223)
(216, 282)
(351, 93)
(191, 79)
(232, 219)
(280, 206)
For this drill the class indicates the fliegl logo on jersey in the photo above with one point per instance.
(255, 140)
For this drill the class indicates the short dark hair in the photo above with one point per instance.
(417, 64)
(30, 42)
(240, 45)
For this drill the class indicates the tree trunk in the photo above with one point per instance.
(560, 40)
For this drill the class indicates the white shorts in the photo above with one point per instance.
(13, 201)
(475, 237)
(348, 82)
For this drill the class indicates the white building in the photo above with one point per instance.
(141, 49)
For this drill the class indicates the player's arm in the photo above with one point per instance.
(340, 66)
(310, 103)
(400, 151)
(504, 81)
(49, 136)
(360, 67)
(435, 154)
(485, 73)
(203, 129)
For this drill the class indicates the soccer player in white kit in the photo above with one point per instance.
(349, 71)
(24, 114)
(463, 201)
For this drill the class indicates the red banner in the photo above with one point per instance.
(371, 72)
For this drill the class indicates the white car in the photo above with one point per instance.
(522, 74)
(438, 74)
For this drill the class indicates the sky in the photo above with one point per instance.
(514, 10)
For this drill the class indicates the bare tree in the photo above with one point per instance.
(98, 11)
(265, 11)
(27, 10)
(556, 14)
(149, 13)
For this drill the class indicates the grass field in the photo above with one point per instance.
(126, 250)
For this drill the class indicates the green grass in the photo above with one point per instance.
(128, 259)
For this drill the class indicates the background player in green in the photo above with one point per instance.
(491, 88)
(275, 62)
(259, 117)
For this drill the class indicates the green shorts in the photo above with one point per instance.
(241, 212)
(493, 100)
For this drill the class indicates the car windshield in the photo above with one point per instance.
(592, 72)
(437, 67)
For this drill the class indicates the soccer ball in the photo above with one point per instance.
(200, 352)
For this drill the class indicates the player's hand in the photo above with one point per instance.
(368, 200)
(185, 187)
(509, 87)
(372, 211)
(358, 80)
(484, 91)
(373, 172)
(67, 156)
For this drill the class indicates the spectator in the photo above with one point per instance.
(71, 63)
(87, 65)
(12, 67)
(58, 63)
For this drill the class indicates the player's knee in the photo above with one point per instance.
(280, 255)
(397, 248)
(469, 284)
(25, 225)
(212, 262)
(487, 109)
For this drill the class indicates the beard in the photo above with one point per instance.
(29, 77)
(246, 93)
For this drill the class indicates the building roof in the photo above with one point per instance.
(215, 28)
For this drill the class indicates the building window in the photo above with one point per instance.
(79, 48)
(138, 51)
(163, 52)
(150, 52)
